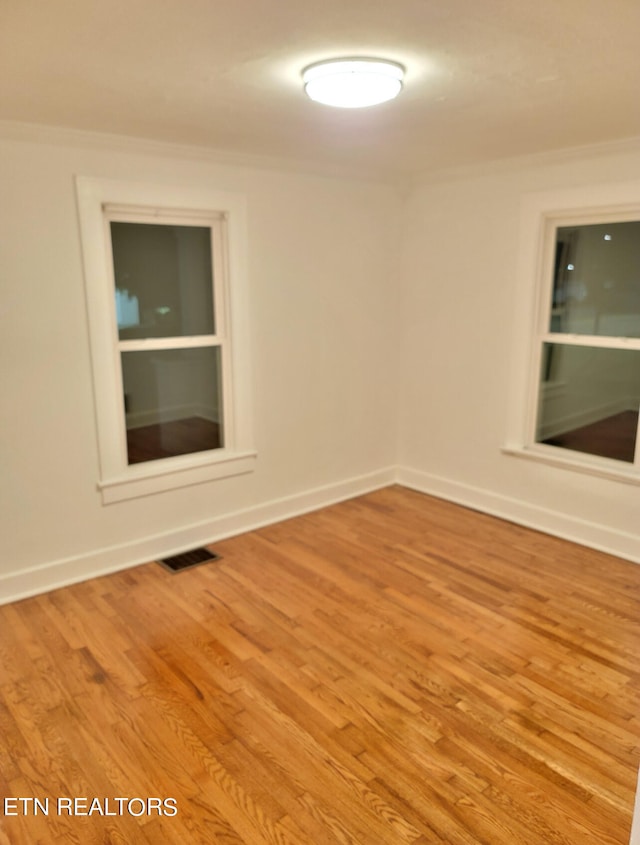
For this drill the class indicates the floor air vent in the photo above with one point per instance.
(189, 559)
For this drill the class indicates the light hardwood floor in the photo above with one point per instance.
(390, 670)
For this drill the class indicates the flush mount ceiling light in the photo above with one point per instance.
(353, 83)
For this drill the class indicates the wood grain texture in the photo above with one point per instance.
(393, 669)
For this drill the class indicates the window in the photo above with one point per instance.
(584, 390)
(167, 313)
(591, 342)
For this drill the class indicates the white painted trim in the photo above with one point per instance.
(577, 461)
(62, 136)
(227, 213)
(61, 573)
(590, 341)
(65, 136)
(174, 216)
(596, 536)
(540, 214)
(513, 164)
(155, 343)
(151, 477)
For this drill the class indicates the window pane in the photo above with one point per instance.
(589, 399)
(597, 280)
(164, 280)
(173, 402)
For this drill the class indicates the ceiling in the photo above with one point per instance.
(486, 79)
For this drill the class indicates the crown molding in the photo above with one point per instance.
(547, 158)
(38, 133)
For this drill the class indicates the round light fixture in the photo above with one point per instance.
(353, 83)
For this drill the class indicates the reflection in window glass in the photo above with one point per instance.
(173, 402)
(164, 280)
(597, 280)
(589, 400)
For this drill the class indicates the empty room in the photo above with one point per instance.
(320, 453)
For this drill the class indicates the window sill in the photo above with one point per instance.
(172, 473)
(589, 464)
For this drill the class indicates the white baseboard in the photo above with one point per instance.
(595, 535)
(61, 573)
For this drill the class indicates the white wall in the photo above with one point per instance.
(458, 312)
(382, 338)
(323, 311)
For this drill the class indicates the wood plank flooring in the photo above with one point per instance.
(392, 670)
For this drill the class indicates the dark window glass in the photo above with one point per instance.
(589, 399)
(164, 280)
(173, 402)
(596, 287)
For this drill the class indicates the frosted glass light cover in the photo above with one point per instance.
(353, 83)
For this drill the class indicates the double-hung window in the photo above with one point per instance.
(584, 360)
(167, 312)
(589, 376)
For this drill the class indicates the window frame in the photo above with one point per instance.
(99, 202)
(541, 216)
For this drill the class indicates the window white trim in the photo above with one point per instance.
(541, 214)
(600, 467)
(165, 203)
